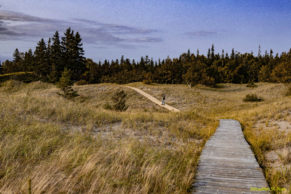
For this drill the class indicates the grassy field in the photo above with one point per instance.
(77, 146)
(267, 124)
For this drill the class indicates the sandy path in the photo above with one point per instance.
(153, 99)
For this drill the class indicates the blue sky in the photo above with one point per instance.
(157, 28)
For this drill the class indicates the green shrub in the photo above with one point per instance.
(288, 93)
(65, 80)
(119, 101)
(148, 78)
(65, 84)
(12, 85)
(25, 77)
(251, 85)
(107, 106)
(252, 98)
(81, 82)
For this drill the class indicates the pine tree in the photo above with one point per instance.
(66, 48)
(28, 62)
(212, 52)
(56, 57)
(222, 54)
(17, 61)
(42, 67)
(208, 54)
(259, 52)
(16, 56)
(232, 56)
(1, 68)
(73, 54)
(79, 65)
(188, 53)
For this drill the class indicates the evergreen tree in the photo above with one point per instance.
(208, 54)
(16, 56)
(212, 52)
(73, 54)
(49, 62)
(259, 52)
(42, 67)
(1, 68)
(56, 58)
(28, 62)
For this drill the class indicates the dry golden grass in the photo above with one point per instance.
(267, 130)
(77, 146)
(266, 124)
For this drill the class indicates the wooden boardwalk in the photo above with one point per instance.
(227, 163)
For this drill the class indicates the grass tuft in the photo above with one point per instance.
(252, 98)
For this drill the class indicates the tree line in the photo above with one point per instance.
(50, 59)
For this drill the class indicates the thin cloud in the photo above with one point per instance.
(201, 33)
(114, 28)
(147, 39)
(14, 25)
(20, 17)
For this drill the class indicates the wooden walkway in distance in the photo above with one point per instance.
(227, 163)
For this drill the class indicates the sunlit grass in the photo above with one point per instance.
(78, 146)
(72, 146)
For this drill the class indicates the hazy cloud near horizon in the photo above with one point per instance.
(16, 25)
(201, 33)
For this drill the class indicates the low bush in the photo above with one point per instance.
(25, 77)
(119, 100)
(11, 85)
(252, 98)
(107, 106)
(81, 82)
(148, 78)
(65, 84)
(251, 85)
(288, 93)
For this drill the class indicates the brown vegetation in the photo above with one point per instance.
(77, 146)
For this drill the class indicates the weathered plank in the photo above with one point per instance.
(227, 163)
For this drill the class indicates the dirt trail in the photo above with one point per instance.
(153, 99)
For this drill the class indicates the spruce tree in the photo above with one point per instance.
(42, 67)
(16, 56)
(28, 61)
(57, 65)
(212, 52)
(73, 54)
(79, 65)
